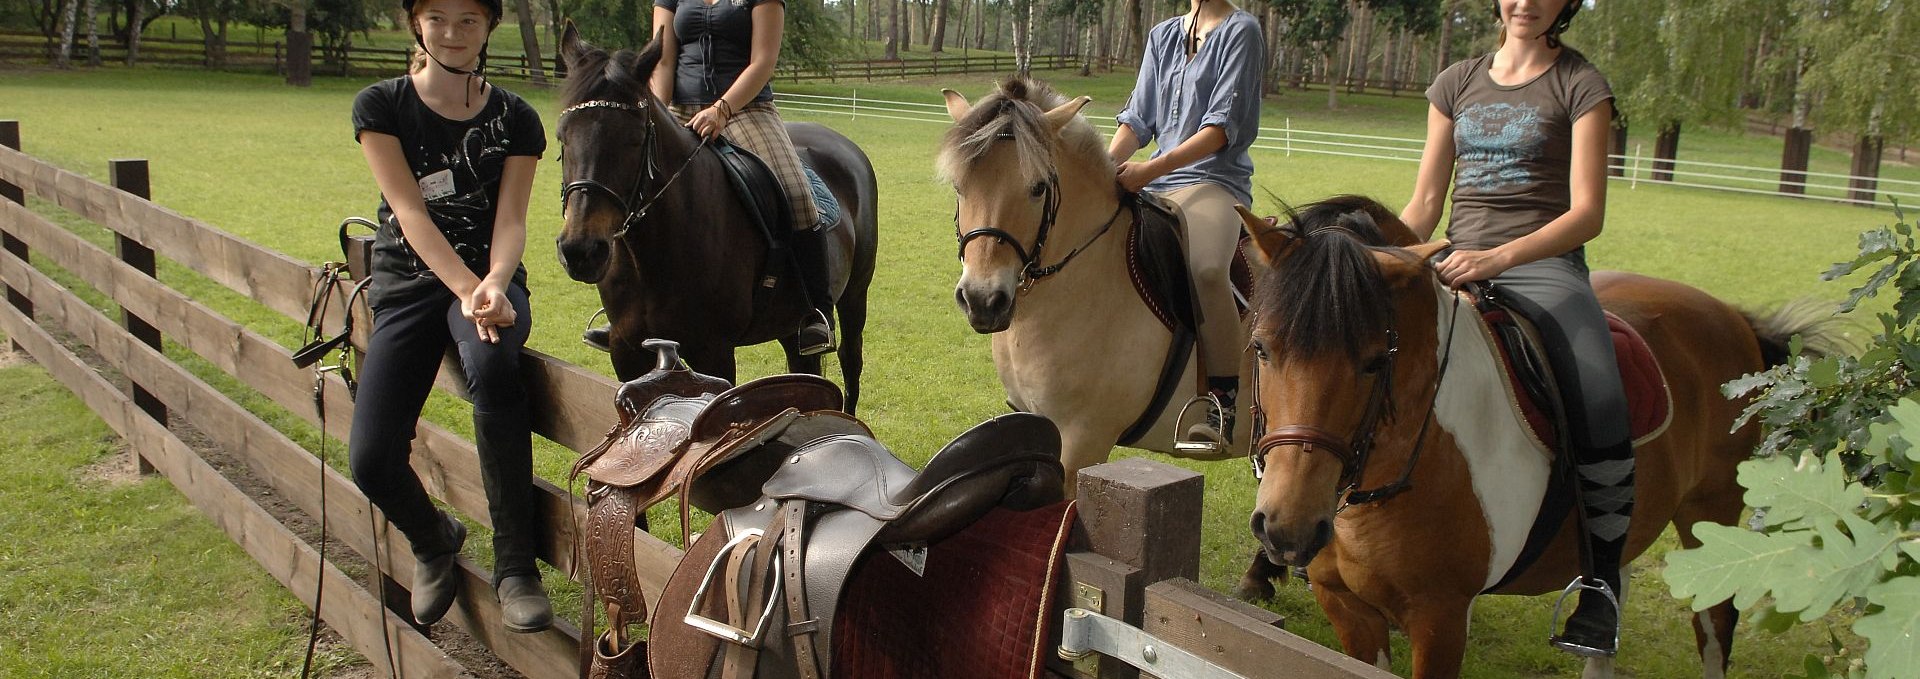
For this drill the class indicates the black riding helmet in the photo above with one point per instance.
(494, 8)
(1560, 23)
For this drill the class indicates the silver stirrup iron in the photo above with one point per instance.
(1580, 583)
(720, 629)
(1181, 445)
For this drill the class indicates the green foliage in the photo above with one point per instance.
(1313, 25)
(1668, 60)
(1840, 521)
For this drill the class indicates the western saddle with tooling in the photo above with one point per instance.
(801, 492)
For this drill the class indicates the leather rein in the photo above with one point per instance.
(649, 168)
(1356, 450)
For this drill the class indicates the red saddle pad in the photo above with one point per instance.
(984, 608)
(1648, 404)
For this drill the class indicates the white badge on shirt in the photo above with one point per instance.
(437, 185)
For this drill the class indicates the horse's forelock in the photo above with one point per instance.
(1012, 113)
(617, 76)
(1329, 294)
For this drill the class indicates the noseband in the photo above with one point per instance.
(1031, 271)
(649, 169)
(1354, 451)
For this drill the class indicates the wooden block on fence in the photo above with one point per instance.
(1145, 514)
(1241, 637)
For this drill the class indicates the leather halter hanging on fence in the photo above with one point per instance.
(648, 169)
(1354, 452)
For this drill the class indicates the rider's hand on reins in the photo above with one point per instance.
(1134, 176)
(710, 121)
(1466, 266)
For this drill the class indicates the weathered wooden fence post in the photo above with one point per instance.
(10, 138)
(1139, 524)
(131, 176)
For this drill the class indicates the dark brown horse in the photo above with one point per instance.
(1359, 346)
(651, 218)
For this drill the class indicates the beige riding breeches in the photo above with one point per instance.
(1213, 232)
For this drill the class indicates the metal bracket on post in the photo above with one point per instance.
(1084, 633)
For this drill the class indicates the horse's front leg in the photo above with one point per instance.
(1257, 583)
(1436, 627)
(1082, 447)
(1361, 627)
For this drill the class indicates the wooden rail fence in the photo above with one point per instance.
(1137, 545)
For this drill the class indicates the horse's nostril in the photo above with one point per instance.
(1259, 523)
(960, 298)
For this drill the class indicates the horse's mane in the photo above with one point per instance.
(1013, 113)
(618, 76)
(1328, 295)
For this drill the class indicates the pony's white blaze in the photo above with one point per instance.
(1509, 465)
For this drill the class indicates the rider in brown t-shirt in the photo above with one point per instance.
(1522, 133)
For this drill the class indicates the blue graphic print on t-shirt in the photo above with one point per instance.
(1494, 140)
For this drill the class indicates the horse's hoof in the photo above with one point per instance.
(1254, 590)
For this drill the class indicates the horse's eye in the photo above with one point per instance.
(1375, 365)
(1039, 189)
(1260, 351)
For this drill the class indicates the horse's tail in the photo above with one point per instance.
(1822, 332)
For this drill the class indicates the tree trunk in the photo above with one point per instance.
(93, 33)
(1442, 53)
(1023, 37)
(1332, 103)
(1793, 160)
(1666, 147)
(530, 39)
(1866, 169)
(299, 47)
(939, 27)
(907, 10)
(63, 58)
(1086, 49)
(1617, 149)
(134, 29)
(1136, 33)
(893, 30)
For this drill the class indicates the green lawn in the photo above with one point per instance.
(277, 166)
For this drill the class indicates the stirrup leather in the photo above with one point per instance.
(1560, 641)
(722, 630)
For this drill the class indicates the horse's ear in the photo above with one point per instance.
(957, 106)
(1427, 250)
(571, 46)
(1064, 113)
(1270, 241)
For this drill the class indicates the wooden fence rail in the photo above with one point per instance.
(1147, 530)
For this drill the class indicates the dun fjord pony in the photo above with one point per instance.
(1044, 270)
(652, 219)
(1360, 347)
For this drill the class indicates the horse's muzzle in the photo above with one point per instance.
(988, 311)
(1291, 546)
(585, 259)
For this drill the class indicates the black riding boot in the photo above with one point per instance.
(1606, 490)
(810, 254)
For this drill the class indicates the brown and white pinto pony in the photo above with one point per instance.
(1324, 310)
(1075, 343)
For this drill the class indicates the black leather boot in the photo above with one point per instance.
(810, 254)
(1593, 631)
(438, 576)
(1605, 475)
(524, 606)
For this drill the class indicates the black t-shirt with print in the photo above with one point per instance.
(458, 164)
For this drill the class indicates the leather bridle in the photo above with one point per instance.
(1355, 450)
(1031, 271)
(633, 210)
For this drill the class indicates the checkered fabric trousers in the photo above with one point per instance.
(757, 128)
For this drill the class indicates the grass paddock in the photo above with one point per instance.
(278, 166)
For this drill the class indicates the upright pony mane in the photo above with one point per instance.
(1328, 294)
(1013, 114)
(596, 74)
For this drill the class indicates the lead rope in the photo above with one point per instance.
(329, 280)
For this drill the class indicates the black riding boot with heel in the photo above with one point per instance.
(810, 254)
(437, 578)
(1606, 490)
(506, 470)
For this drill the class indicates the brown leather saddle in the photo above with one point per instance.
(801, 491)
(681, 434)
(758, 595)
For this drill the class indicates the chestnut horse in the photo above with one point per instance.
(652, 220)
(1348, 350)
(1044, 270)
